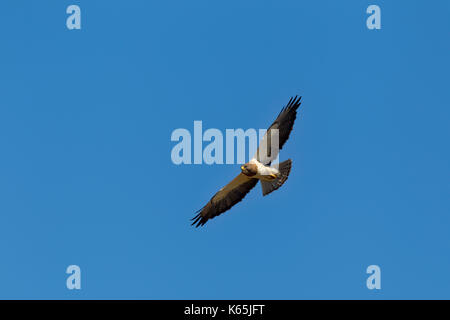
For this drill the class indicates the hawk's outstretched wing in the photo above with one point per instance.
(227, 197)
(283, 123)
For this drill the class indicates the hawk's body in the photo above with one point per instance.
(257, 169)
(263, 172)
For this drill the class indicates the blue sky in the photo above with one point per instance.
(86, 176)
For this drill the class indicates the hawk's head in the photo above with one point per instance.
(249, 169)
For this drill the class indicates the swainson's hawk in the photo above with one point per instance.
(257, 169)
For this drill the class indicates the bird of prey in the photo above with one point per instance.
(257, 169)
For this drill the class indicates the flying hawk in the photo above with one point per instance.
(257, 169)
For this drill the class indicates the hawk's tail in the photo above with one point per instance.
(269, 186)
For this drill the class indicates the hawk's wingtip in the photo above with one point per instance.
(198, 220)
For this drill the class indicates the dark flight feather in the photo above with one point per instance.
(223, 200)
(284, 123)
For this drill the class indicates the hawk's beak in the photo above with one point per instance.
(242, 168)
